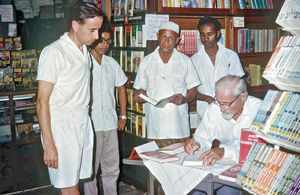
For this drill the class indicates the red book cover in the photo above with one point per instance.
(231, 173)
(247, 139)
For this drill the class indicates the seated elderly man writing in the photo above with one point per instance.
(231, 111)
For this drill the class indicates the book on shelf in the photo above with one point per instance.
(159, 157)
(158, 103)
(282, 69)
(278, 118)
(175, 148)
(268, 170)
(287, 17)
(248, 137)
(231, 173)
(129, 98)
(133, 124)
(255, 74)
(140, 126)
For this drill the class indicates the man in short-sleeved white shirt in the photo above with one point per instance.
(63, 99)
(106, 76)
(212, 61)
(163, 73)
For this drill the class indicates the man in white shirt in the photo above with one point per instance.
(106, 75)
(232, 110)
(163, 73)
(212, 61)
(63, 100)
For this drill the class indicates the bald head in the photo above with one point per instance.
(231, 83)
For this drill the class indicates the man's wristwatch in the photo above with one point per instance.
(123, 117)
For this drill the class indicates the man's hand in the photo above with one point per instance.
(191, 146)
(178, 99)
(121, 124)
(211, 156)
(51, 156)
(137, 97)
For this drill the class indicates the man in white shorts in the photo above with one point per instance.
(63, 99)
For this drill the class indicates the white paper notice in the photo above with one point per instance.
(153, 22)
(6, 12)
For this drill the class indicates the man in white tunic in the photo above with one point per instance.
(163, 73)
(212, 61)
(106, 75)
(63, 99)
(231, 111)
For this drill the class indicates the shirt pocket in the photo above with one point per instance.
(178, 81)
(152, 82)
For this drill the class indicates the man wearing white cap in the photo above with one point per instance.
(163, 73)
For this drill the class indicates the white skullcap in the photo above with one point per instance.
(169, 26)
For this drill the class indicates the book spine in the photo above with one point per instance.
(251, 155)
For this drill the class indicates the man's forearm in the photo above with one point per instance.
(191, 94)
(122, 99)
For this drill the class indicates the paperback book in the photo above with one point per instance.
(160, 103)
(159, 157)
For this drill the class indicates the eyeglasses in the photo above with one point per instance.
(108, 41)
(217, 102)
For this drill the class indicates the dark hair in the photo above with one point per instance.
(210, 20)
(104, 28)
(84, 10)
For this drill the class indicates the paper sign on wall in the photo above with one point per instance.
(238, 22)
(6, 12)
(153, 22)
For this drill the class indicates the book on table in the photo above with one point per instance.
(160, 103)
(173, 148)
(192, 160)
(231, 173)
(159, 157)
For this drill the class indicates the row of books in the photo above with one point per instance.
(132, 104)
(128, 60)
(130, 36)
(188, 42)
(197, 3)
(136, 124)
(288, 16)
(268, 170)
(256, 40)
(283, 67)
(255, 4)
(128, 7)
(10, 43)
(279, 116)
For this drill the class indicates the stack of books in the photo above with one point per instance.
(279, 118)
(268, 170)
(282, 69)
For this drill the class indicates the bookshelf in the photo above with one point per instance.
(277, 122)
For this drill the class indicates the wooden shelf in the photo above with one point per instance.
(255, 54)
(193, 11)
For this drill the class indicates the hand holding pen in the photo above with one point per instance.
(191, 146)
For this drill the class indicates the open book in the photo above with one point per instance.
(160, 103)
